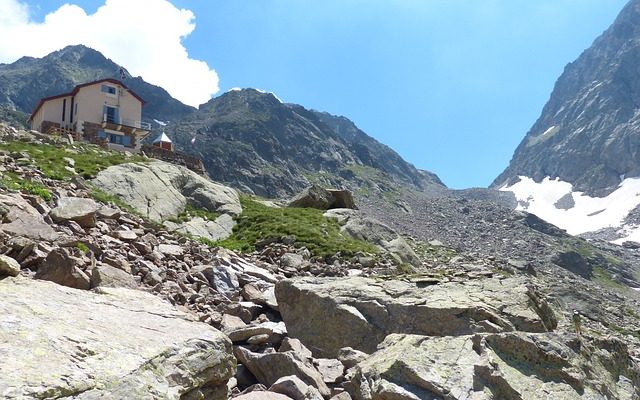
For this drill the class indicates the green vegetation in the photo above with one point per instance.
(82, 247)
(601, 276)
(192, 212)
(12, 181)
(309, 227)
(89, 159)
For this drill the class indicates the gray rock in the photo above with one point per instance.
(64, 269)
(220, 228)
(293, 387)
(350, 357)
(370, 310)
(512, 365)
(270, 367)
(80, 210)
(160, 190)
(8, 266)
(225, 281)
(332, 370)
(295, 345)
(274, 331)
(104, 275)
(22, 219)
(170, 249)
(259, 395)
(117, 344)
(357, 226)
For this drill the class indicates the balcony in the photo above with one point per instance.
(124, 125)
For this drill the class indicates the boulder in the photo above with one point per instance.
(77, 209)
(356, 225)
(21, 219)
(104, 275)
(574, 262)
(511, 365)
(269, 367)
(8, 266)
(319, 311)
(324, 199)
(293, 387)
(64, 269)
(220, 228)
(117, 344)
(260, 395)
(160, 190)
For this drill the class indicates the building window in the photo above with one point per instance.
(109, 89)
(115, 139)
(110, 115)
(64, 108)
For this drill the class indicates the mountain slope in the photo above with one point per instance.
(24, 82)
(251, 140)
(587, 133)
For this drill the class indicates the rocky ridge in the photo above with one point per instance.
(252, 141)
(459, 312)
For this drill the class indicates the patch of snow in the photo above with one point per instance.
(629, 233)
(548, 130)
(274, 95)
(587, 215)
(161, 123)
(234, 89)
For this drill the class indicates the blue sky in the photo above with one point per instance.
(451, 85)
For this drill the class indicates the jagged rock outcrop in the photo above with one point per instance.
(323, 199)
(370, 309)
(161, 191)
(587, 133)
(509, 366)
(117, 344)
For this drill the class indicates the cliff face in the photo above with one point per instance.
(587, 133)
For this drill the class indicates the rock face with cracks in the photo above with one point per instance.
(511, 365)
(371, 309)
(161, 191)
(116, 344)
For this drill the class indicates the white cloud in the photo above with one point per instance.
(144, 36)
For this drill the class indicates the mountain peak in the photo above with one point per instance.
(587, 133)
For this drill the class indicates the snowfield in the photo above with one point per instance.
(586, 214)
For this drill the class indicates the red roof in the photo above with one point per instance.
(78, 87)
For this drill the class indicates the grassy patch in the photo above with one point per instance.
(89, 159)
(192, 212)
(603, 278)
(310, 228)
(14, 182)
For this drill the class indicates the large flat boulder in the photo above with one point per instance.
(512, 365)
(327, 314)
(160, 190)
(120, 343)
(22, 219)
(80, 210)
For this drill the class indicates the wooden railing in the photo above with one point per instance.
(59, 131)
